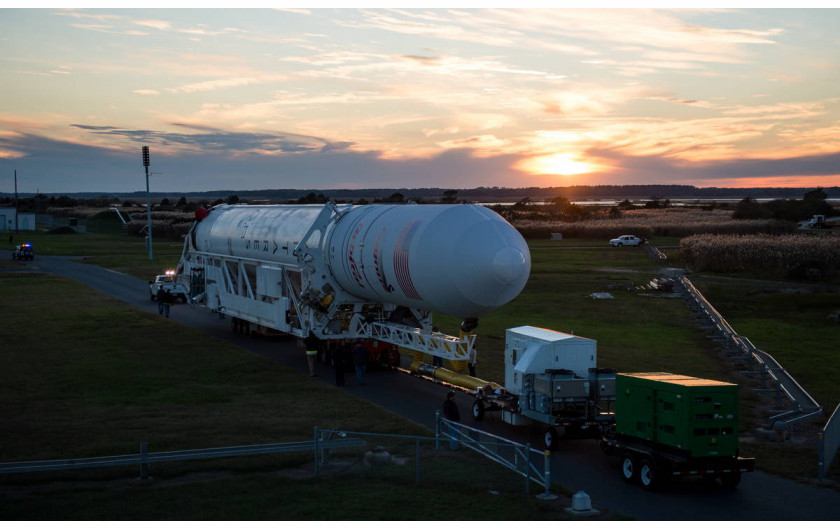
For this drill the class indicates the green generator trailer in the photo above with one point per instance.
(671, 425)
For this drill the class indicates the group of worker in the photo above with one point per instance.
(338, 353)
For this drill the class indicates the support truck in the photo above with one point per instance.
(671, 425)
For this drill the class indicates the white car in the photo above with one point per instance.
(167, 281)
(628, 241)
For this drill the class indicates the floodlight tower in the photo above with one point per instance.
(148, 203)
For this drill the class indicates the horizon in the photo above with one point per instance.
(320, 99)
(507, 193)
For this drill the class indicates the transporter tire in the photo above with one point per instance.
(729, 480)
(478, 410)
(550, 436)
(648, 476)
(628, 467)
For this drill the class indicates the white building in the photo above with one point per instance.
(25, 221)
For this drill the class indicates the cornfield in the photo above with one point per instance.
(794, 256)
(675, 222)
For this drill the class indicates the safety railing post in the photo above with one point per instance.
(417, 462)
(547, 471)
(315, 446)
(144, 463)
(528, 468)
(821, 454)
(437, 429)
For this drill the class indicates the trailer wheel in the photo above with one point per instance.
(647, 475)
(729, 480)
(550, 438)
(478, 410)
(628, 467)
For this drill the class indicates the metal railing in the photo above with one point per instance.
(529, 463)
(829, 443)
(144, 458)
(762, 365)
(488, 460)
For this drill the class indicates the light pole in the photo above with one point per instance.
(148, 203)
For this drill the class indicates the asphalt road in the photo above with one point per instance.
(576, 464)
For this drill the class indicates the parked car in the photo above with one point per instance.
(628, 241)
(167, 281)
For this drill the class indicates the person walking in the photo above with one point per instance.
(167, 302)
(360, 358)
(451, 413)
(159, 296)
(311, 343)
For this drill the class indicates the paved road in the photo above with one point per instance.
(577, 464)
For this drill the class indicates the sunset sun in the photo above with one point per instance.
(558, 164)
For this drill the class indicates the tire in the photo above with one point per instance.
(550, 438)
(620, 244)
(183, 298)
(628, 467)
(478, 410)
(648, 476)
(729, 480)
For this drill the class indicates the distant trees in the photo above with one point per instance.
(313, 198)
(813, 202)
(449, 196)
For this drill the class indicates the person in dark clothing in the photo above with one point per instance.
(360, 359)
(167, 302)
(312, 344)
(451, 413)
(160, 295)
(340, 357)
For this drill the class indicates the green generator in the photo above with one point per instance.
(698, 416)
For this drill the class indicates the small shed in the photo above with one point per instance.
(25, 221)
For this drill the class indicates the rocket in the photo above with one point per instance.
(459, 260)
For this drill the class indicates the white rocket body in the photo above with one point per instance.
(460, 260)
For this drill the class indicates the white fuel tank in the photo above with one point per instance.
(460, 260)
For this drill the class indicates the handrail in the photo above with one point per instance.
(803, 405)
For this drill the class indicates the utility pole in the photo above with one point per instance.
(16, 204)
(148, 204)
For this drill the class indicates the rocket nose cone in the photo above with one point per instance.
(509, 265)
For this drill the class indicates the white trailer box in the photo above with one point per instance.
(530, 350)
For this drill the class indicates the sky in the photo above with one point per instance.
(327, 98)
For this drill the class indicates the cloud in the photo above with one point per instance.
(157, 24)
(211, 139)
(628, 169)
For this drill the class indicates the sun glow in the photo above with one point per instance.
(555, 165)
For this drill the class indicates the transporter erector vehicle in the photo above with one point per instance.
(346, 272)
